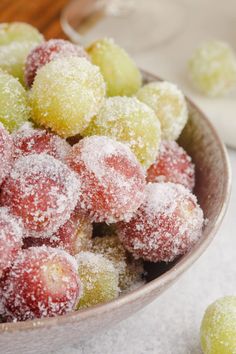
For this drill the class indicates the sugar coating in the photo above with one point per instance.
(3, 315)
(112, 180)
(42, 191)
(99, 279)
(167, 224)
(48, 51)
(212, 68)
(66, 94)
(43, 282)
(16, 41)
(169, 104)
(130, 270)
(19, 32)
(6, 153)
(14, 108)
(28, 140)
(73, 237)
(11, 234)
(173, 164)
(128, 120)
(218, 328)
(120, 72)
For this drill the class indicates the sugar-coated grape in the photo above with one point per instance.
(16, 41)
(128, 120)
(99, 279)
(28, 140)
(48, 51)
(212, 68)
(66, 94)
(119, 71)
(42, 191)
(74, 236)
(14, 110)
(11, 234)
(169, 104)
(167, 224)
(218, 329)
(130, 271)
(19, 32)
(43, 282)
(3, 315)
(6, 153)
(173, 164)
(112, 180)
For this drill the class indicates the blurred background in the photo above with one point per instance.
(43, 14)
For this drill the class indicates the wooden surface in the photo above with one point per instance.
(43, 14)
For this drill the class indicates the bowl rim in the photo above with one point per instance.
(163, 280)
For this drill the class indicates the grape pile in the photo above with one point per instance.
(82, 145)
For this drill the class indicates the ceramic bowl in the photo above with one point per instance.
(201, 141)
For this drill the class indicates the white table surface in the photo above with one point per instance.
(170, 325)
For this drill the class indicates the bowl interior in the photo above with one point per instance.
(212, 189)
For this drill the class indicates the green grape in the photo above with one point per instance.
(99, 279)
(83, 237)
(130, 270)
(18, 31)
(119, 71)
(128, 120)
(16, 41)
(14, 109)
(169, 104)
(218, 329)
(212, 68)
(66, 94)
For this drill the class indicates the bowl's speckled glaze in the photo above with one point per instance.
(212, 189)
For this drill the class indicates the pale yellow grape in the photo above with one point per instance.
(218, 329)
(66, 94)
(212, 68)
(99, 279)
(14, 109)
(17, 39)
(128, 120)
(120, 72)
(130, 270)
(18, 31)
(169, 104)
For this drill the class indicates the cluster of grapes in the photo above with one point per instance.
(83, 143)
